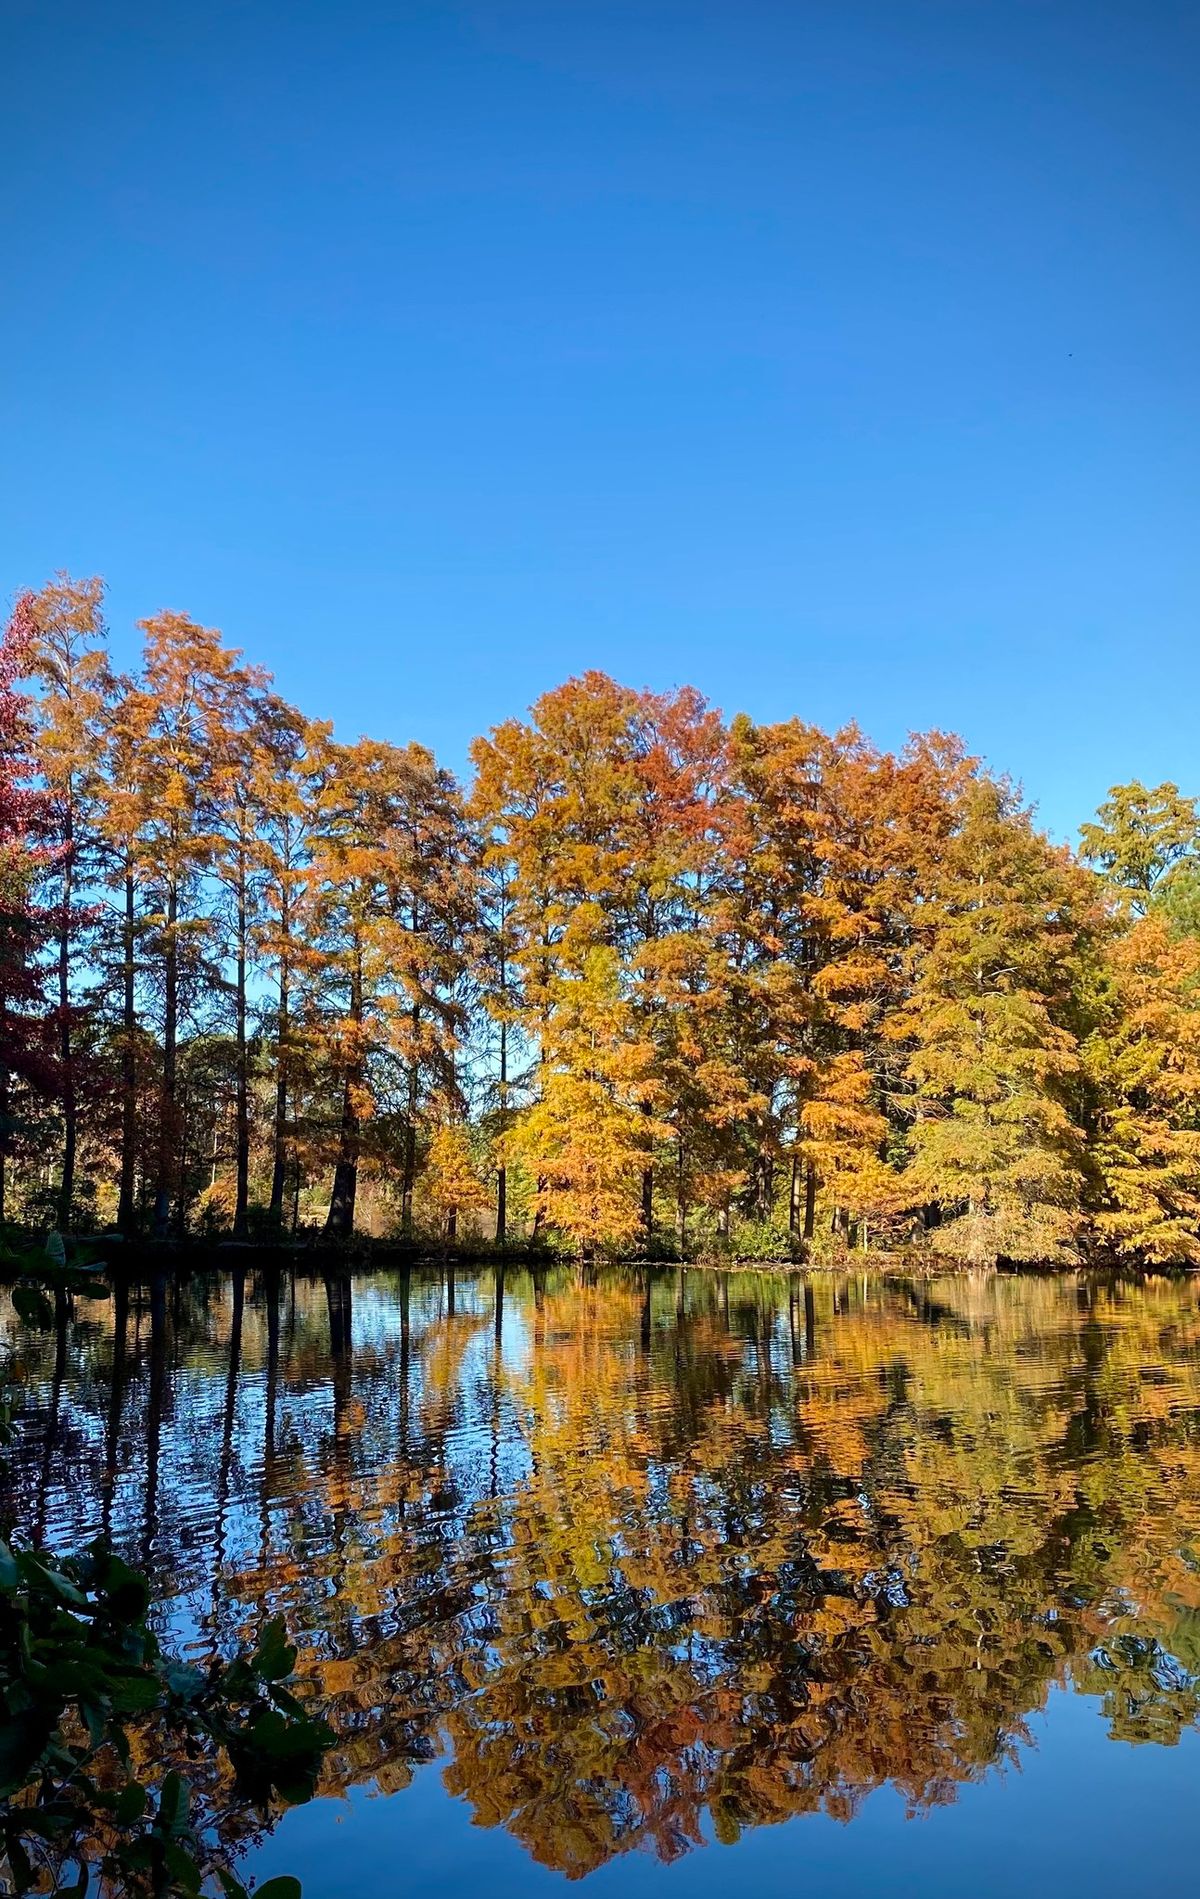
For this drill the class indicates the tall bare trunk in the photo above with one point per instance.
(126, 1210)
(66, 1053)
(810, 1202)
(280, 1155)
(409, 1178)
(339, 1223)
(165, 1178)
(242, 1135)
(5, 1109)
(502, 1170)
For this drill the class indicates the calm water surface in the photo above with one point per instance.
(671, 1581)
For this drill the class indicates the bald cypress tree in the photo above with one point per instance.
(995, 1060)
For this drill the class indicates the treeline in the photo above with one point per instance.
(651, 982)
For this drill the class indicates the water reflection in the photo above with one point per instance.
(641, 1557)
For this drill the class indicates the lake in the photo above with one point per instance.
(662, 1581)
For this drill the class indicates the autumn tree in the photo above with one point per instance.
(124, 789)
(290, 757)
(1143, 1058)
(496, 975)
(665, 931)
(393, 902)
(600, 817)
(589, 1133)
(1143, 840)
(452, 1178)
(810, 945)
(189, 679)
(556, 800)
(71, 665)
(995, 1060)
(242, 780)
(23, 1054)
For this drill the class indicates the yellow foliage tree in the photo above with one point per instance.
(589, 1133)
(1144, 1061)
(452, 1179)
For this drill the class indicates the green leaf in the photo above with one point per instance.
(10, 1573)
(184, 1681)
(284, 1699)
(131, 1803)
(23, 1740)
(182, 1867)
(283, 1886)
(135, 1694)
(33, 1307)
(172, 1804)
(274, 1657)
(18, 1859)
(55, 1579)
(127, 1593)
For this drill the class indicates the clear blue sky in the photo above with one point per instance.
(841, 359)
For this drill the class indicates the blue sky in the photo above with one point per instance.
(840, 359)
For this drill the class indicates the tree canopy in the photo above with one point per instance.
(654, 981)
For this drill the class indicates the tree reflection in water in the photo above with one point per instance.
(637, 1553)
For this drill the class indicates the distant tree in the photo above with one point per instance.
(71, 664)
(391, 872)
(122, 951)
(24, 1056)
(1143, 1058)
(1142, 839)
(290, 756)
(590, 1131)
(191, 682)
(995, 1059)
(452, 1178)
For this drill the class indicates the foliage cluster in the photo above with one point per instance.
(654, 980)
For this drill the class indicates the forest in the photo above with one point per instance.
(653, 983)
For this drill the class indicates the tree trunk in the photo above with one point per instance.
(502, 1170)
(280, 1142)
(126, 1207)
(242, 1133)
(764, 1186)
(339, 1223)
(409, 1179)
(165, 1174)
(810, 1202)
(4, 1105)
(66, 1193)
(279, 1163)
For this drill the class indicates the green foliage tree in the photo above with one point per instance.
(995, 1058)
(1142, 839)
